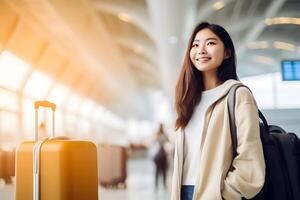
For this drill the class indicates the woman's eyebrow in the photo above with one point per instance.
(211, 38)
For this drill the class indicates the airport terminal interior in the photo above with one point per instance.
(111, 67)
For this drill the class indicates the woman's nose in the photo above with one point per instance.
(201, 50)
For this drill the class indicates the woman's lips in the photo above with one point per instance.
(203, 59)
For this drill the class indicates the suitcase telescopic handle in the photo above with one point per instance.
(45, 104)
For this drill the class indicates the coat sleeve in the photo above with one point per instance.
(248, 176)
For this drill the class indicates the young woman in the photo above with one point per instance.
(203, 148)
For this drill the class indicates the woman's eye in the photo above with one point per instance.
(195, 45)
(211, 43)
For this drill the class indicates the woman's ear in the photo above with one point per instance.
(227, 54)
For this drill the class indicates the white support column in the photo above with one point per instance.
(168, 19)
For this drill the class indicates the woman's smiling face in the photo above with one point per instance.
(207, 52)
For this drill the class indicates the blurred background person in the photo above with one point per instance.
(160, 157)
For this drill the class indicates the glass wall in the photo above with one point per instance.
(271, 92)
(21, 84)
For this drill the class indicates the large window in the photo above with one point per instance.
(262, 89)
(71, 124)
(28, 118)
(59, 95)
(86, 108)
(13, 71)
(108, 118)
(38, 85)
(8, 124)
(271, 92)
(84, 129)
(76, 115)
(73, 103)
(287, 92)
(8, 100)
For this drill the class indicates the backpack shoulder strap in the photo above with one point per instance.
(231, 106)
(231, 109)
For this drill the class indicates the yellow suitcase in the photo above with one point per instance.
(7, 165)
(112, 172)
(1, 165)
(56, 168)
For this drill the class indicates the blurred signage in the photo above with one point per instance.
(290, 70)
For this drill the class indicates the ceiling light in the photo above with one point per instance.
(124, 17)
(284, 46)
(282, 20)
(265, 60)
(268, 22)
(218, 5)
(258, 45)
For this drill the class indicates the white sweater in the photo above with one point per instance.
(193, 133)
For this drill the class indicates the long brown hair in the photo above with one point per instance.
(189, 86)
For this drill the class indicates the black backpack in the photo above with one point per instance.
(281, 153)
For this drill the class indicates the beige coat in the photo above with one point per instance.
(214, 182)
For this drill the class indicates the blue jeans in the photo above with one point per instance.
(187, 192)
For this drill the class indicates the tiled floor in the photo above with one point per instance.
(7, 191)
(140, 185)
